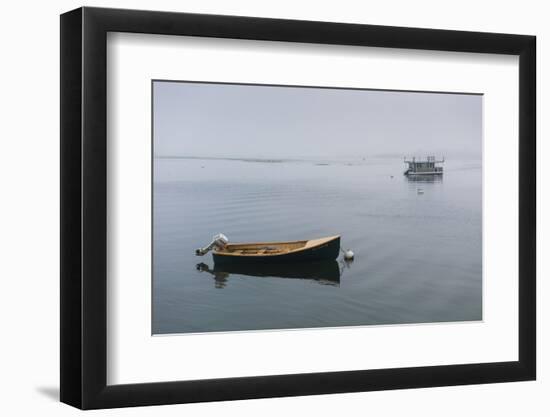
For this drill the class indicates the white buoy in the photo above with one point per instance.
(348, 255)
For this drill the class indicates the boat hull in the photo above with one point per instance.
(326, 251)
(415, 173)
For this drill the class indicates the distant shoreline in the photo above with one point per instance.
(219, 158)
(317, 161)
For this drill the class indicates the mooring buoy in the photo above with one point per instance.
(348, 255)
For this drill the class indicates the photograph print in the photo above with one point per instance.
(294, 207)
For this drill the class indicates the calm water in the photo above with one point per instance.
(417, 256)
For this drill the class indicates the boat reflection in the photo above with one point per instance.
(424, 178)
(322, 272)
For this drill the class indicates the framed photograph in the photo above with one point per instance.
(257, 208)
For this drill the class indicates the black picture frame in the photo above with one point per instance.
(84, 207)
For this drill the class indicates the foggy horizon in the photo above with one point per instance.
(238, 121)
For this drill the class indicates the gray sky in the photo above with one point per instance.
(229, 120)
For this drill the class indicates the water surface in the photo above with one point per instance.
(417, 244)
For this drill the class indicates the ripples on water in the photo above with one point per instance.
(418, 256)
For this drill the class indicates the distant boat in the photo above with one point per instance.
(326, 248)
(418, 167)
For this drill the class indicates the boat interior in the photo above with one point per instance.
(263, 248)
(271, 248)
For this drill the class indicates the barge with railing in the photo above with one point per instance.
(427, 166)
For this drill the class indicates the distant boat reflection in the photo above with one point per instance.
(424, 178)
(324, 272)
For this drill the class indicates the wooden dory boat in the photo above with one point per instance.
(326, 248)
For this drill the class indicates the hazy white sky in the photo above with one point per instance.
(230, 120)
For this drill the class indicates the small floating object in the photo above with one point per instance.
(420, 191)
(348, 255)
(326, 248)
